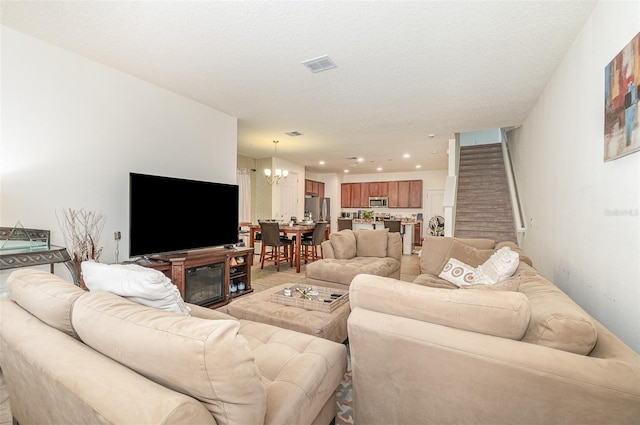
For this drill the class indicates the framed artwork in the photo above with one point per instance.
(621, 93)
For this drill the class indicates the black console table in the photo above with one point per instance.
(37, 256)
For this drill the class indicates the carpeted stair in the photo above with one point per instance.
(483, 205)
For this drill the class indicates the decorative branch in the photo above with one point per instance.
(81, 231)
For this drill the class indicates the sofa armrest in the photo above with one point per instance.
(499, 313)
(437, 374)
(327, 250)
(394, 246)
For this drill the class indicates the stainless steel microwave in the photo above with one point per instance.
(378, 202)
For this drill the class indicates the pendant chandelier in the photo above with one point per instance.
(274, 176)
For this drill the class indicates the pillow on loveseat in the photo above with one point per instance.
(344, 244)
(371, 243)
(139, 284)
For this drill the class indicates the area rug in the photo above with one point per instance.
(344, 397)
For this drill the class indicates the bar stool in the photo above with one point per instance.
(271, 237)
(317, 237)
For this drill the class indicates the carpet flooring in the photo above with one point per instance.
(262, 279)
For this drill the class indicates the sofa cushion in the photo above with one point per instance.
(46, 296)
(371, 243)
(343, 271)
(500, 313)
(344, 244)
(139, 284)
(500, 266)
(458, 273)
(300, 372)
(556, 320)
(433, 281)
(436, 250)
(205, 359)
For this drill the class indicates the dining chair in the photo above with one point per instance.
(344, 224)
(310, 251)
(393, 225)
(271, 238)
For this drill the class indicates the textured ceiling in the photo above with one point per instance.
(404, 69)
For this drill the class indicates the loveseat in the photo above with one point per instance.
(76, 357)
(348, 253)
(518, 352)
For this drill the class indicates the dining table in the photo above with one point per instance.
(286, 228)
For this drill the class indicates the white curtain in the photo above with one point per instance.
(244, 195)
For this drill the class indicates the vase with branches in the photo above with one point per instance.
(81, 230)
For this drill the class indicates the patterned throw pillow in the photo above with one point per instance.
(500, 266)
(458, 273)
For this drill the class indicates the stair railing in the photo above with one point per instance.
(451, 187)
(513, 189)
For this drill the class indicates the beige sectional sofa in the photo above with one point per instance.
(519, 352)
(74, 357)
(348, 253)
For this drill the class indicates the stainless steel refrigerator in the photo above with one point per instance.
(319, 208)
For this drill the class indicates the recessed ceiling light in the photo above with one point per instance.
(379, 168)
(293, 133)
(434, 151)
(346, 171)
(360, 159)
(406, 155)
(431, 135)
(319, 64)
(418, 166)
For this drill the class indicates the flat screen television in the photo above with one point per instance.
(168, 215)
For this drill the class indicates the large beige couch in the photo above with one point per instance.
(348, 253)
(520, 353)
(75, 357)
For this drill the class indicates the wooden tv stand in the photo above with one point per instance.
(174, 266)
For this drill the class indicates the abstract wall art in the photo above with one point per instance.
(621, 111)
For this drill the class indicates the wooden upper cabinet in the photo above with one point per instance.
(403, 194)
(308, 187)
(355, 195)
(313, 188)
(379, 189)
(345, 195)
(415, 194)
(364, 195)
(392, 193)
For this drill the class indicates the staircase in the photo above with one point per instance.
(483, 205)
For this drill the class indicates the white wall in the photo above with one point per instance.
(582, 213)
(73, 129)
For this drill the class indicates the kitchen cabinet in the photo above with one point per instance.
(355, 195)
(379, 189)
(415, 194)
(400, 194)
(345, 195)
(314, 188)
(364, 195)
(392, 193)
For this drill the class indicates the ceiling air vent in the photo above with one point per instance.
(293, 133)
(319, 64)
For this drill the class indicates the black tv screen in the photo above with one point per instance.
(168, 214)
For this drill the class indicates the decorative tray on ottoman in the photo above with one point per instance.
(316, 302)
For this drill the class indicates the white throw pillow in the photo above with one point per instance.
(500, 266)
(136, 283)
(458, 273)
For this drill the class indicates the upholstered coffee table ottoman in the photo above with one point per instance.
(259, 307)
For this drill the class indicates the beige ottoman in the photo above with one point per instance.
(259, 308)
